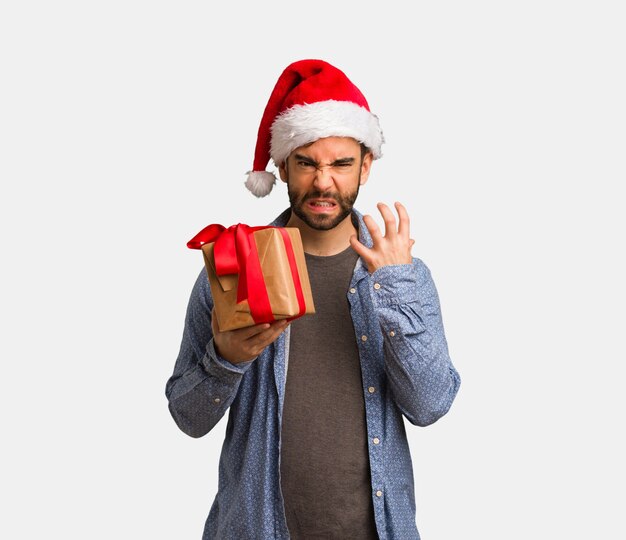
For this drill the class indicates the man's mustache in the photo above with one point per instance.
(320, 195)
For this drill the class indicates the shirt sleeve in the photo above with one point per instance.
(419, 370)
(203, 384)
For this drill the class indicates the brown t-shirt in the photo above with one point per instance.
(325, 475)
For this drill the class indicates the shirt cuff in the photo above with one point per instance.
(394, 284)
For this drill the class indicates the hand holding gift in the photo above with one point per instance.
(247, 343)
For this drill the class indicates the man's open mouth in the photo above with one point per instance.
(321, 205)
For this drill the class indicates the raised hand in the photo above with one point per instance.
(392, 248)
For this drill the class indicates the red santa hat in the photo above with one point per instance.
(311, 100)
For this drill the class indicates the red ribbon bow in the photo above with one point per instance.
(235, 252)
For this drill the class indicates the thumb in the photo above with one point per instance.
(357, 246)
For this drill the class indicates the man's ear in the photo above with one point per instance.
(366, 166)
(282, 171)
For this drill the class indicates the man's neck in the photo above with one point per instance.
(324, 243)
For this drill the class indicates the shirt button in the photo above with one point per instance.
(371, 389)
(379, 493)
(392, 333)
(217, 400)
(376, 440)
(376, 286)
(363, 337)
(352, 290)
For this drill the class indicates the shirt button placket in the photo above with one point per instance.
(377, 476)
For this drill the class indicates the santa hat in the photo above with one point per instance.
(311, 100)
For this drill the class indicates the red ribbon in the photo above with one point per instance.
(294, 273)
(235, 252)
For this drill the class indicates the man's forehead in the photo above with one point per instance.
(330, 147)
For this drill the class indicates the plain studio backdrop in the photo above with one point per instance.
(126, 127)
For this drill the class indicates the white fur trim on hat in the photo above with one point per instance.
(260, 183)
(304, 124)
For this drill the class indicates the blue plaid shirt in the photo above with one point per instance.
(406, 370)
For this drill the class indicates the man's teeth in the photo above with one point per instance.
(322, 204)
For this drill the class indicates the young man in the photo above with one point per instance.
(315, 445)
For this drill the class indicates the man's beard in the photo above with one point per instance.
(322, 222)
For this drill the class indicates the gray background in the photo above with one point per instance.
(126, 127)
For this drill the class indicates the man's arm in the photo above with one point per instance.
(419, 371)
(203, 384)
(211, 363)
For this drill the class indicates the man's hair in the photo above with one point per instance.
(364, 150)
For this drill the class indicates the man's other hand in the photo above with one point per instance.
(392, 248)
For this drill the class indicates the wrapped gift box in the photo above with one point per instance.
(256, 274)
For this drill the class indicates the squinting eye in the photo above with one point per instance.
(305, 165)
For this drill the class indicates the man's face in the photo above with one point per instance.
(323, 180)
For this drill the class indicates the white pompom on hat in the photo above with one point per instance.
(311, 100)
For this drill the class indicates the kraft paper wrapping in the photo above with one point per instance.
(276, 273)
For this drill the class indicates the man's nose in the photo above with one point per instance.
(324, 178)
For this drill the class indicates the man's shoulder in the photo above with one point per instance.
(282, 219)
(201, 296)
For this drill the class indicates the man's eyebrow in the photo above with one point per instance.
(339, 161)
(306, 158)
(343, 161)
